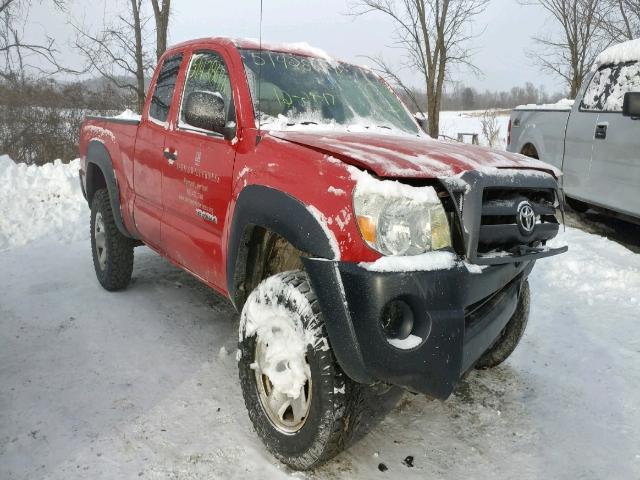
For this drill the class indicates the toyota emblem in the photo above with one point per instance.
(526, 218)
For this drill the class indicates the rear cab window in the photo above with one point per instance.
(165, 86)
(608, 86)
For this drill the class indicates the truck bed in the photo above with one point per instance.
(543, 126)
(118, 136)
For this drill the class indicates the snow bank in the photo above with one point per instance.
(598, 269)
(620, 53)
(41, 202)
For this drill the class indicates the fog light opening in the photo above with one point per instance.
(397, 320)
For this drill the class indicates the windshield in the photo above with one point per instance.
(295, 91)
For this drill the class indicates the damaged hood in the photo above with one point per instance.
(410, 157)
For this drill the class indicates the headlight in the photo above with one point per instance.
(397, 219)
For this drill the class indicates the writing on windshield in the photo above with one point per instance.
(294, 89)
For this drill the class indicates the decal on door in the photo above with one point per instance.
(209, 217)
(196, 172)
(194, 195)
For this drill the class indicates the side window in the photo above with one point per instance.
(594, 95)
(208, 72)
(165, 85)
(606, 91)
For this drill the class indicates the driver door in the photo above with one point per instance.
(615, 165)
(197, 176)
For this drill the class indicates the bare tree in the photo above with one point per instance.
(623, 20)
(18, 55)
(117, 50)
(571, 54)
(161, 13)
(435, 35)
(490, 127)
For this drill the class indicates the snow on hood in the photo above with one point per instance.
(411, 157)
(619, 53)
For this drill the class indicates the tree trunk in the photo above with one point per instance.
(135, 9)
(161, 14)
(433, 111)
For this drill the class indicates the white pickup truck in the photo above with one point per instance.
(594, 140)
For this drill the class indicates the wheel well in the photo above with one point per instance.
(262, 253)
(95, 180)
(530, 151)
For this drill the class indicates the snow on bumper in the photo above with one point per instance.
(457, 316)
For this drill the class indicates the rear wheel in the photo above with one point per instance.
(112, 251)
(510, 335)
(301, 404)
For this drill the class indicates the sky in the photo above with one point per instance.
(504, 33)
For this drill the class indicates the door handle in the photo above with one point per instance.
(601, 131)
(169, 155)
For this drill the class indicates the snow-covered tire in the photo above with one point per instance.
(112, 252)
(283, 311)
(510, 335)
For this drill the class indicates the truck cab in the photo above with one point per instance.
(594, 139)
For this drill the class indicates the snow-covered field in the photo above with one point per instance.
(143, 383)
(452, 123)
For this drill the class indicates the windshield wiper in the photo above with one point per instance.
(306, 122)
(372, 126)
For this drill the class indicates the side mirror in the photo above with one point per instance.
(206, 110)
(631, 105)
(421, 119)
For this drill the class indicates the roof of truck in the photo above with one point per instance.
(620, 53)
(296, 48)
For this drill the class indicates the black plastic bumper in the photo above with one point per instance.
(457, 313)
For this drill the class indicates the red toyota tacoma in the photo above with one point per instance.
(357, 249)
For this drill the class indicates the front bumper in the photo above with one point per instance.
(459, 315)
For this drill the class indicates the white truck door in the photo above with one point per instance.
(615, 166)
(578, 145)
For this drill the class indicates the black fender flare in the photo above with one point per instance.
(98, 155)
(279, 212)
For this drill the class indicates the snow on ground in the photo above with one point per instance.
(452, 123)
(115, 385)
(143, 383)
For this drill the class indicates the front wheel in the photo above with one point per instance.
(301, 404)
(511, 333)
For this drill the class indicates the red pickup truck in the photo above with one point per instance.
(357, 249)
